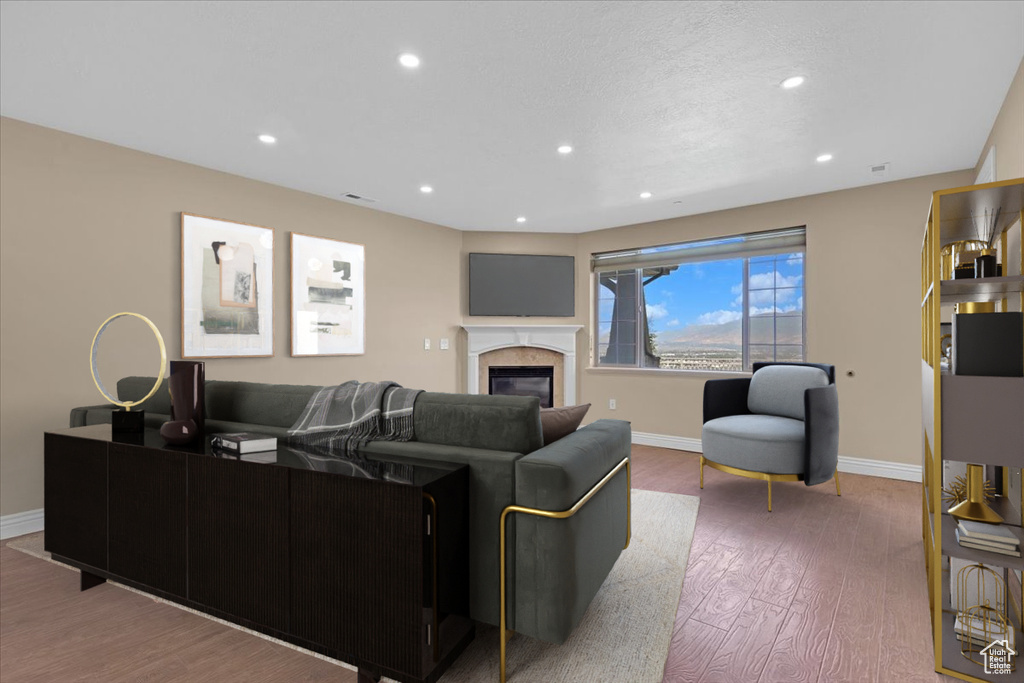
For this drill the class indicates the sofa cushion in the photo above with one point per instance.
(779, 389)
(562, 421)
(495, 423)
(273, 405)
(758, 443)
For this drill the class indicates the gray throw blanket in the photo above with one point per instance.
(345, 417)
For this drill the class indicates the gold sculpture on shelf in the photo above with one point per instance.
(956, 492)
(974, 497)
(981, 620)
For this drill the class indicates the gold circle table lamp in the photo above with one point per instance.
(127, 420)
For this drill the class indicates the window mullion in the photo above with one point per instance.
(745, 304)
(639, 324)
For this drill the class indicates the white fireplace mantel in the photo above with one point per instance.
(560, 338)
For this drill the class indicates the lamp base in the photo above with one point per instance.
(128, 421)
(974, 511)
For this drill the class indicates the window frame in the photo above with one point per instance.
(730, 253)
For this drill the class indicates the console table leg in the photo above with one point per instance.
(90, 580)
(365, 676)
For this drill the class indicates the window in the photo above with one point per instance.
(712, 305)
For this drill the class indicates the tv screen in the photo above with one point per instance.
(522, 285)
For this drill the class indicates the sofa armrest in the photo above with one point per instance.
(821, 431)
(561, 563)
(87, 415)
(724, 397)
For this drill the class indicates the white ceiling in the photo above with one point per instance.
(680, 99)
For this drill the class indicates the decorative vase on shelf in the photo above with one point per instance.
(187, 385)
(974, 507)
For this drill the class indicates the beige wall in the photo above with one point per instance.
(1007, 137)
(88, 229)
(1008, 133)
(862, 304)
(862, 298)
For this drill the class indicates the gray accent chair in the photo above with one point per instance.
(779, 424)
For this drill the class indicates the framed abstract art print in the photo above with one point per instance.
(227, 289)
(328, 297)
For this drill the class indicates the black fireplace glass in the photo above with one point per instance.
(524, 381)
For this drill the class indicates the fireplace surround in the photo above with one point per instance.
(561, 339)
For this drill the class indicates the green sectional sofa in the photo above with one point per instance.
(555, 566)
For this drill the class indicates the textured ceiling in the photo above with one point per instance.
(678, 99)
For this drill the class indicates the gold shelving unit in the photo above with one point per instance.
(951, 218)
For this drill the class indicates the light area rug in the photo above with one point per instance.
(624, 635)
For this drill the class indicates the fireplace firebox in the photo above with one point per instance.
(523, 380)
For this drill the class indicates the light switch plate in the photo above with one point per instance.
(426, 343)
(444, 344)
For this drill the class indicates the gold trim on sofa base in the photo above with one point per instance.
(503, 633)
(764, 476)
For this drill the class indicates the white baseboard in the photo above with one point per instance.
(21, 523)
(678, 443)
(880, 468)
(871, 468)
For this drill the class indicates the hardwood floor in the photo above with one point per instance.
(824, 588)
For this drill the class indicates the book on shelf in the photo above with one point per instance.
(995, 630)
(1012, 551)
(979, 531)
(244, 442)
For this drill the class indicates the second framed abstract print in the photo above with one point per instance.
(328, 297)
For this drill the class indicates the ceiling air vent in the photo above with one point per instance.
(880, 171)
(358, 198)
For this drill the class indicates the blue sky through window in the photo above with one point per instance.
(711, 292)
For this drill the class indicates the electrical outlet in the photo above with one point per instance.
(444, 344)
(426, 343)
(611, 404)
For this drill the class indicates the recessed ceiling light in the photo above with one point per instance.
(645, 195)
(793, 82)
(824, 157)
(426, 189)
(565, 149)
(267, 139)
(521, 219)
(409, 60)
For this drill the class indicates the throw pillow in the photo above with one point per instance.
(558, 422)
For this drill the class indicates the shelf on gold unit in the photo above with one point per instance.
(958, 211)
(951, 548)
(979, 289)
(953, 660)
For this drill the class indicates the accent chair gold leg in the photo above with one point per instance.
(769, 495)
(836, 476)
(702, 471)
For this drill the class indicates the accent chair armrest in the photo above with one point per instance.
(724, 397)
(821, 430)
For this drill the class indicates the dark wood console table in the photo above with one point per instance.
(363, 561)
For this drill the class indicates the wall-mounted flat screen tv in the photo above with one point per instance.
(522, 285)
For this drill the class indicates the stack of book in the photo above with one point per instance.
(979, 626)
(243, 443)
(990, 537)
